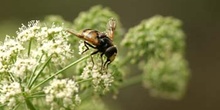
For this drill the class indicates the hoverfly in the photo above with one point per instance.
(100, 41)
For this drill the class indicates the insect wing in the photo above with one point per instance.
(87, 35)
(91, 36)
(111, 28)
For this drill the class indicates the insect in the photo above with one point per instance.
(100, 41)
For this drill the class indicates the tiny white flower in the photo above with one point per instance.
(22, 65)
(77, 99)
(86, 74)
(10, 48)
(101, 79)
(64, 89)
(8, 51)
(26, 33)
(56, 44)
(81, 47)
(54, 29)
(11, 102)
(67, 102)
(10, 93)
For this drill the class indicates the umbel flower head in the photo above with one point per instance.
(29, 58)
(154, 37)
(159, 51)
(166, 78)
(46, 41)
(64, 90)
(100, 79)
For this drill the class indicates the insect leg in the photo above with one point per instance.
(89, 45)
(87, 48)
(95, 52)
(101, 60)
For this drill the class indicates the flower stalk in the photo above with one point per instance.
(29, 47)
(40, 72)
(60, 71)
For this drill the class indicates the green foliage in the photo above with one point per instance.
(159, 51)
(154, 37)
(166, 77)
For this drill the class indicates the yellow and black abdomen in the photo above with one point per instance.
(91, 36)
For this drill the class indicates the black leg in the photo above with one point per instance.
(87, 48)
(95, 52)
(101, 60)
(89, 45)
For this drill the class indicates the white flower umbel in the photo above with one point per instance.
(8, 52)
(101, 78)
(62, 93)
(23, 66)
(10, 94)
(30, 58)
(59, 47)
(54, 41)
(82, 47)
(25, 33)
(46, 41)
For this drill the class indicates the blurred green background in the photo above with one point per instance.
(201, 19)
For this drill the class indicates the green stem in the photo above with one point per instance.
(35, 69)
(37, 93)
(12, 77)
(29, 104)
(133, 80)
(27, 101)
(29, 47)
(38, 74)
(60, 71)
(85, 80)
(16, 107)
(36, 96)
(2, 106)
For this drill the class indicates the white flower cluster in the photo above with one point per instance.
(50, 41)
(65, 91)
(10, 93)
(101, 79)
(23, 56)
(81, 47)
(22, 65)
(8, 51)
(42, 41)
(26, 33)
